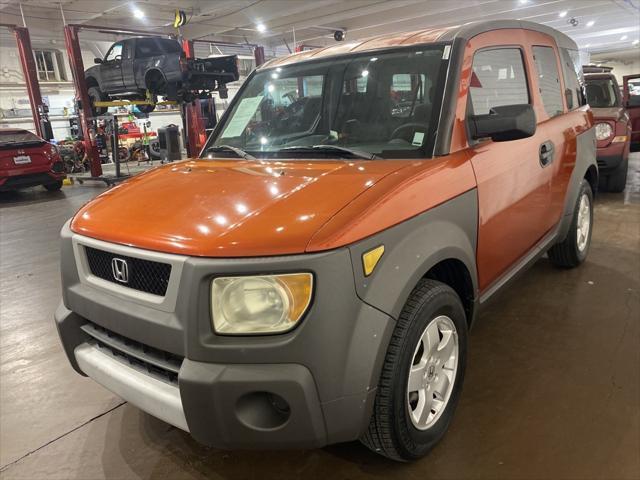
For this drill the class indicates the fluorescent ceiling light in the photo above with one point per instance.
(591, 23)
(563, 14)
(635, 42)
(624, 37)
(138, 13)
(261, 27)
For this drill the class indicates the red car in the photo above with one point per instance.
(27, 160)
(613, 128)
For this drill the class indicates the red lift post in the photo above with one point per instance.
(258, 53)
(74, 53)
(30, 73)
(194, 130)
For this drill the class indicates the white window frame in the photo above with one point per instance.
(58, 73)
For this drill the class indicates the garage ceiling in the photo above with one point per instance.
(600, 25)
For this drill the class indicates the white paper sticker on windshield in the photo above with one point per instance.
(418, 137)
(241, 117)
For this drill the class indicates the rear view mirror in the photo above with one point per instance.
(504, 123)
(97, 60)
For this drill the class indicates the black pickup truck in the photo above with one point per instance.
(134, 66)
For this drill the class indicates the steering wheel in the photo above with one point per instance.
(402, 130)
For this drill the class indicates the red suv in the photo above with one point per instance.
(27, 160)
(613, 128)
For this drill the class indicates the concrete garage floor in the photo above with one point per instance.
(552, 388)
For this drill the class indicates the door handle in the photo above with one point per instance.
(547, 151)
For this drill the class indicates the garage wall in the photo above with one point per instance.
(626, 62)
(15, 110)
(620, 69)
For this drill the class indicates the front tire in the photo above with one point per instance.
(617, 180)
(573, 250)
(419, 388)
(97, 95)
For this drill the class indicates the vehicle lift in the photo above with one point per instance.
(192, 122)
(83, 102)
(39, 110)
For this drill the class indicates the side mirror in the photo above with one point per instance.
(97, 60)
(504, 123)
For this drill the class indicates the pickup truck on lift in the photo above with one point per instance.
(136, 67)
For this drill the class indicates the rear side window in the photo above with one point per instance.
(498, 78)
(151, 47)
(548, 80)
(573, 78)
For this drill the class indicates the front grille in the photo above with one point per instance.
(144, 275)
(152, 361)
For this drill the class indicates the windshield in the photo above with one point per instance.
(18, 137)
(384, 105)
(601, 93)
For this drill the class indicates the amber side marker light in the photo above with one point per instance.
(620, 138)
(371, 258)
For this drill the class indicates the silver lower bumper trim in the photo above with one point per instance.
(147, 393)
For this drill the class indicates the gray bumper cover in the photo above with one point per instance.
(326, 369)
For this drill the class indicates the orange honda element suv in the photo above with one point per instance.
(312, 276)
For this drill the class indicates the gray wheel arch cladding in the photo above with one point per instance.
(413, 247)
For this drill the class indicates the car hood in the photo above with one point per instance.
(222, 208)
(610, 113)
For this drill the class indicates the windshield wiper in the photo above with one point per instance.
(336, 148)
(228, 148)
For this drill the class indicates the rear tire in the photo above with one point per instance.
(53, 187)
(97, 95)
(617, 180)
(404, 426)
(573, 250)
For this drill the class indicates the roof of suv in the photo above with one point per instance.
(418, 37)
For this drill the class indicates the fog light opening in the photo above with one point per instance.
(263, 410)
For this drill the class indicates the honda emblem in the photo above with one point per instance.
(120, 270)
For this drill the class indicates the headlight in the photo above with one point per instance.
(259, 304)
(603, 131)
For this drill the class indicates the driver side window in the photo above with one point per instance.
(115, 53)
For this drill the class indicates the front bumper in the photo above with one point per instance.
(611, 156)
(310, 387)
